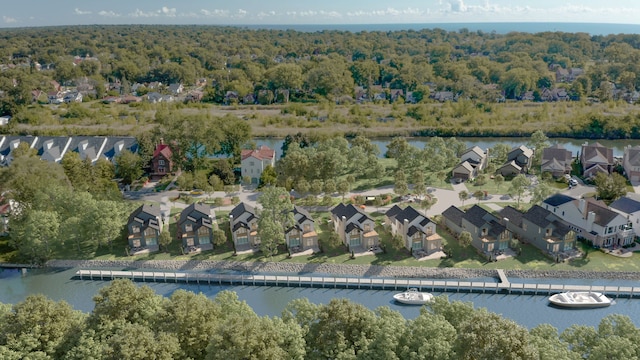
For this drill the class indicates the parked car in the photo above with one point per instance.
(573, 182)
(197, 192)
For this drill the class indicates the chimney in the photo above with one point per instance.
(582, 205)
(591, 216)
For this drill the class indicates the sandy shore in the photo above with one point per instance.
(337, 269)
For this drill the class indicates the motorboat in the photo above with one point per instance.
(580, 299)
(413, 297)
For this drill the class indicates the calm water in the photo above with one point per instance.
(527, 310)
(573, 145)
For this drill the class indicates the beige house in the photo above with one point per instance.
(253, 162)
(354, 227)
(417, 231)
(472, 161)
(556, 160)
(596, 158)
(302, 235)
(631, 162)
(244, 227)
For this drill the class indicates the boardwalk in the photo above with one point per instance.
(503, 286)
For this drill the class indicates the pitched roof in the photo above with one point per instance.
(597, 153)
(557, 152)
(163, 149)
(476, 149)
(454, 215)
(512, 214)
(241, 209)
(300, 214)
(604, 215)
(478, 216)
(391, 213)
(153, 213)
(261, 153)
(626, 205)
(558, 199)
(195, 211)
(632, 155)
(520, 150)
(409, 214)
(539, 216)
(511, 164)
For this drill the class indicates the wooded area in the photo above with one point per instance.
(439, 83)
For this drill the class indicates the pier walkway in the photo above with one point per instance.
(502, 286)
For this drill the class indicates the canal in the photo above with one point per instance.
(527, 310)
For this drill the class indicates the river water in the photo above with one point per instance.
(573, 145)
(527, 310)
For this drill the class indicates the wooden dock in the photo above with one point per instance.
(502, 286)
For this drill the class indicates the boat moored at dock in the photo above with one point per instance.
(580, 299)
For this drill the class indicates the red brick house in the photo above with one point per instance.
(161, 163)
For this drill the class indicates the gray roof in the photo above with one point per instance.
(454, 215)
(241, 209)
(478, 216)
(512, 214)
(626, 205)
(195, 212)
(558, 199)
(348, 211)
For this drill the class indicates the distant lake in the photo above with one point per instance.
(499, 27)
(573, 145)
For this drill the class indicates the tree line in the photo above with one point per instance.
(308, 66)
(132, 322)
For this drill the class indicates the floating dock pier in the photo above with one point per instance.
(365, 283)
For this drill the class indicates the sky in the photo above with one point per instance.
(28, 13)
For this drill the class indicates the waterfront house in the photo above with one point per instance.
(510, 169)
(354, 227)
(629, 207)
(472, 161)
(417, 231)
(301, 236)
(631, 162)
(161, 163)
(596, 158)
(195, 228)
(243, 222)
(542, 229)
(488, 234)
(253, 162)
(556, 160)
(144, 227)
(592, 220)
(521, 156)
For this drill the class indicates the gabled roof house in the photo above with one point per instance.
(195, 228)
(487, 232)
(628, 207)
(472, 161)
(354, 227)
(596, 158)
(417, 231)
(556, 160)
(631, 162)
(592, 220)
(253, 162)
(541, 228)
(144, 227)
(301, 236)
(161, 161)
(243, 221)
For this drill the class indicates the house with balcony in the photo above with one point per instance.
(629, 207)
(144, 227)
(592, 219)
(301, 236)
(472, 161)
(243, 222)
(418, 232)
(354, 227)
(488, 234)
(196, 227)
(253, 162)
(596, 158)
(541, 228)
(556, 160)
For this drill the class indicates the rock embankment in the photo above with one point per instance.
(335, 269)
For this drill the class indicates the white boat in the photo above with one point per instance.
(413, 297)
(580, 299)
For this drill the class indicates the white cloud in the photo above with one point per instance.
(457, 6)
(164, 11)
(81, 12)
(9, 20)
(215, 13)
(387, 12)
(241, 12)
(108, 13)
(171, 12)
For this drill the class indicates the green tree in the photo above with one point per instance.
(276, 215)
(165, 239)
(268, 176)
(519, 185)
(465, 238)
(128, 166)
(463, 195)
(610, 187)
(538, 142)
(34, 233)
(541, 192)
(400, 187)
(499, 153)
(498, 179)
(429, 336)
(219, 237)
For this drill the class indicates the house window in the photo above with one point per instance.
(160, 169)
(548, 233)
(251, 163)
(429, 231)
(188, 228)
(135, 229)
(161, 162)
(484, 232)
(307, 227)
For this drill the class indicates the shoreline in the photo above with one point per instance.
(339, 269)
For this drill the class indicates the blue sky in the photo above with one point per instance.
(23, 13)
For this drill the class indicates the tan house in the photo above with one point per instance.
(596, 158)
(354, 227)
(244, 228)
(253, 162)
(302, 235)
(556, 160)
(472, 161)
(417, 231)
(631, 162)
(195, 228)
